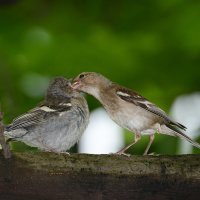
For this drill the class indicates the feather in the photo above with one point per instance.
(182, 135)
(37, 115)
(133, 97)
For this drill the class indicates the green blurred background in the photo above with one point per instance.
(150, 46)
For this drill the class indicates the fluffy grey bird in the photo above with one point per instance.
(57, 123)
(129, 109)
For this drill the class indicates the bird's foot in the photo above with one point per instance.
(151, 154)
(122, 153)
(65, 153)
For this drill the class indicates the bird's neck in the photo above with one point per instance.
(53, 99)
(100, 92)
(98, 88)
(95, 92)
(79, 102)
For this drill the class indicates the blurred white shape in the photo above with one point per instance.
(102, 135)
(34, 85)
(186, 110)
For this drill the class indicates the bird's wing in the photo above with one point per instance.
(28, 119)
(37, 116)
(133, 97)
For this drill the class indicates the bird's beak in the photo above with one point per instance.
(70, 82)
(76, 84)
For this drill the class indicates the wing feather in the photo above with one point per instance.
(138, 100)
(28, 119)
(37, 115)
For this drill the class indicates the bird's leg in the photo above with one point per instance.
(137, 138)
(65, 153)
(151, 139)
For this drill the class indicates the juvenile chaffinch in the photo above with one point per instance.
(129, 109)
(57, 123)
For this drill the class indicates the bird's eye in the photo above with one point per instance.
(81, 76)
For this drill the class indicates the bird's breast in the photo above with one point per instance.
(131, 117)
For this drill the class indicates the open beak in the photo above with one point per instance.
(76, 84)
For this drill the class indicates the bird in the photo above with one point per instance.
(129, 109)
(56, 123)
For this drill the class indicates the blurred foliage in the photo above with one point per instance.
(150, 46)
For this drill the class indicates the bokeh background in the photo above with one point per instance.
(150, 46)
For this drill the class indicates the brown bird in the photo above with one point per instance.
(129, 109)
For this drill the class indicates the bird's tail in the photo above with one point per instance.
(184, 136)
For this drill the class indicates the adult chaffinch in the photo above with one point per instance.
(129, 109)
(57, 123)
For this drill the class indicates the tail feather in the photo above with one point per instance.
(181, 126)
(184, 136)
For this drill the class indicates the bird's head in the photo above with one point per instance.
(90, 82)
(61, 88)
